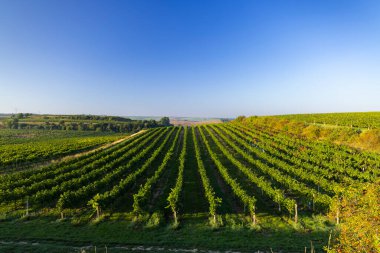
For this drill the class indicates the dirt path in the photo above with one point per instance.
(98, 148)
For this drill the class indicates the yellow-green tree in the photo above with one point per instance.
(359, 213)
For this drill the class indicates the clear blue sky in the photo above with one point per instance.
(189, 58)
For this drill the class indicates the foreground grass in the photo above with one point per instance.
(46, 234)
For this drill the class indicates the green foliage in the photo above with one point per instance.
(145, 190)
(173, 197)
(246, 199)
(155, 220)
(121, 236)
(248, 165)
(351, 119)
(165, 121)
(306, 193)
(335, 161)
(18, 147)
(12, 123)
(214, 202)
(359, 212)
(117, 190)
(240, 118)
(81, 123)
(66, 177)
(341, 132)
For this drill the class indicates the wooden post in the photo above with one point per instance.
(295, 213)
(62, 215)
(106, 248)
(175, 216)
(337, 216)
(27, 206)
(254, 219)
(328, 245)
(97, 212)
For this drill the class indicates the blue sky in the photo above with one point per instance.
(189, 58)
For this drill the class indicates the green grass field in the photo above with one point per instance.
(51, 235)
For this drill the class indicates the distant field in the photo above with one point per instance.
(17, 136)
(192, 121)
(181, 122)
(223, 186)
(352, 119)
(24, 147)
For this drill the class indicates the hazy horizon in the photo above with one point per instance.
(195, 117)
(210, 59)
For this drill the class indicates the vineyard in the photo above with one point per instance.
(25, 147)
(225, 174)
(351, 119)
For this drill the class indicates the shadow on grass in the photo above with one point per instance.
(194, 231)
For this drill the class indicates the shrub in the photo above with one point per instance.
(359, 212)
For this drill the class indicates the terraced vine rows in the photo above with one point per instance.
(222, 168)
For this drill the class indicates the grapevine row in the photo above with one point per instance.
(346, 173)
(78, 195)
(52, 187)
(175, 192)
(331, 156)
(29, 153)
(26, 178)
(145, 191)
(247, 200)
(331, 187)
(275, 194)
(322, 200)
(213, 201)
(106, 198)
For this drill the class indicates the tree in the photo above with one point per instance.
(165, 121)
(94, 202)
(19, 116)
(12, 123)
(359, 211)
(240, 118)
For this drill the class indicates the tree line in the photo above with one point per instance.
(118, 126)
